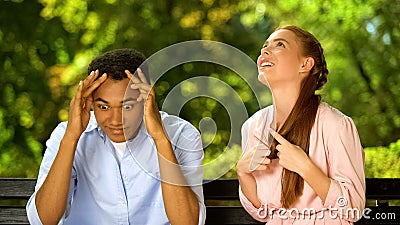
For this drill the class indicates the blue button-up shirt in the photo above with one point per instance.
(106, 191)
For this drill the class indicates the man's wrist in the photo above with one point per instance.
(161, 137)
(161, 140)
(71, 139)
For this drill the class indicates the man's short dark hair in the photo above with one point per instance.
(115, 62)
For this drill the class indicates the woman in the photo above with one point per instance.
(311, 171)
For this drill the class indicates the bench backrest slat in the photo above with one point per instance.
(16, 187)
(383, 188)
(217, 215)
(221, 189)
(13, 215)
(377, 188)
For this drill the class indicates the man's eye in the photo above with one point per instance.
(127, 107)
(103, 107)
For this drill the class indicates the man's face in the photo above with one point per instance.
(117, 112)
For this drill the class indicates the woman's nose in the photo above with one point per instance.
(265, 51)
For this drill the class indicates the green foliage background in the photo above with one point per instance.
(45, 47)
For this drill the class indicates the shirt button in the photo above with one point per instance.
(124, 176)
(122, 202)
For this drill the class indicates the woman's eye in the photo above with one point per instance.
(279, 44)
(103, 107)
(127, 107)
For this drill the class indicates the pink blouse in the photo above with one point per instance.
(336, 149)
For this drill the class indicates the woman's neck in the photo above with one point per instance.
(284, 100)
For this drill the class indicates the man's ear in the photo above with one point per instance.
(307, 64)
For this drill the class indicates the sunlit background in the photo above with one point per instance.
(45, 47)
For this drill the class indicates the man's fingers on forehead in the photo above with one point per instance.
(97, 82)
(87, 93)
(144, 88)
(135, 79)
(140, 98)
(152, 91)
(79, 92)
(144, 96)
(132, 93)
(92, 87)
(141, 75)
(129, 74)
(92, 76)
(91, 80)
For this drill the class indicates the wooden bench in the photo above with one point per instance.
(221, 198)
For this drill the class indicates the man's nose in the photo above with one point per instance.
(116, 117)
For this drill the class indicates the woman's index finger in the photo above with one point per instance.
(279, 138)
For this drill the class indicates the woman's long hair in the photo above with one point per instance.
(298, 125)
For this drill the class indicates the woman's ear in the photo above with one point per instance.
(307, 64)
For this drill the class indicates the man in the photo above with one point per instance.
(123, 162)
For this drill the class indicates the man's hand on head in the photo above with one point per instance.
(152, 117)
(79, 111)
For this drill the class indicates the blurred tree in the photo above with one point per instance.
(360, 39)
(51, 42)
(389, 155)
(27, 107)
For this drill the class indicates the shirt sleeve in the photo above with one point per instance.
(52, 146)
(346, 170)
(190, 154)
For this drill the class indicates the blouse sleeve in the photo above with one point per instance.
(260, 214)
(245, 134)
(346, 170)
(247, 205)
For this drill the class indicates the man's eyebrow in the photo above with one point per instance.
(129, 99)
(125, 100)
(101, 100)
(275, 40)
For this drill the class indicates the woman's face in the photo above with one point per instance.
(280, 59)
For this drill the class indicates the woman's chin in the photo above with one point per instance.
(262, 79)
